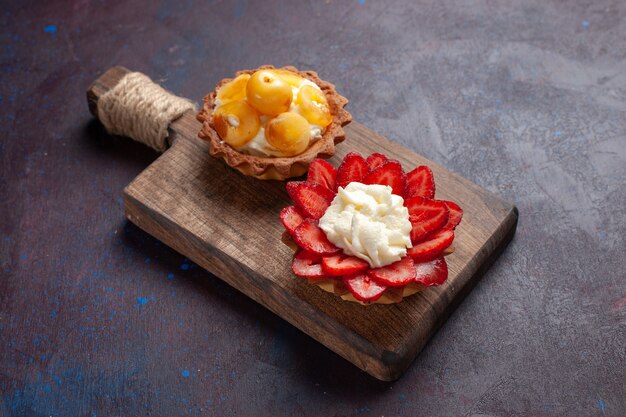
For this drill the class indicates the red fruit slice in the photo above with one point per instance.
(339, 265)
(398, 273)
(352, 168)
(375, 160)
(456, 214)
(311, 199)
(432, 273)
(364, 288)
(420, 183)
(313, 239)
(307, 265)
(433, 247)
(426, 216)
(390, 173)
(322, 173)
(291, 218)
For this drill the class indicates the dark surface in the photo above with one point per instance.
(97, 318)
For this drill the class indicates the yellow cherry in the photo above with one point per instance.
(312, 104)
(268, 93)
(236, 123)
(233, 90)
(288, 132)
(291, 78)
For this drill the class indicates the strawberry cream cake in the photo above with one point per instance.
(367, 231)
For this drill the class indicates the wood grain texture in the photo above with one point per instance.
(229, 224)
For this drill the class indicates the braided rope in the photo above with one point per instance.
(140, 109)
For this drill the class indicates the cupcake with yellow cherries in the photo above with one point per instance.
(270, 123)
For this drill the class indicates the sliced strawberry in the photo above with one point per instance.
(426, 216)
(420, 183)
(375, 160)
(390, 173)
(313, 239)
(398, 273)
(322, 173)
(338, 265)
(456, 214)
(431, 273)
(306, 264)
(433, 247)
(364, 288)
(352, 168)
(291, 218)
(311, 199)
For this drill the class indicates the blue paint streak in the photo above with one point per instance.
(142, 300)
(50, 29)
(147, 260)
(170, 276)
(557, 133)
(184, 267)
(601, 405)
(585, 24)
(185, 373)
(361, 2)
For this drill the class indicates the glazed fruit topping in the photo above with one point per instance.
(456, 214)
(431, 273)
(282, 111)
(397, 274)
(307, 265)
(340, 265)
(427, 216)
(236, 122)
(234, 90)
(420, 183)
(311, 199)
(312, 104)
(268, 93)
(290, 133)
(433, 247)
(353, 168)
(323, 173)
(375, 160)
(291, 218)
(313, 239)
(389, 173)
(364, 288)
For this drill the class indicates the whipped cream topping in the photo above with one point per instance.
(369, 222)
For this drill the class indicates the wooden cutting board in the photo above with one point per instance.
(229, 224)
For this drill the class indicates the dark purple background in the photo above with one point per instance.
(527, 99)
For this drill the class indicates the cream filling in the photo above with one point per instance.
(369, 222)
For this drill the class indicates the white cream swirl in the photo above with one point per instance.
(369, 222)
